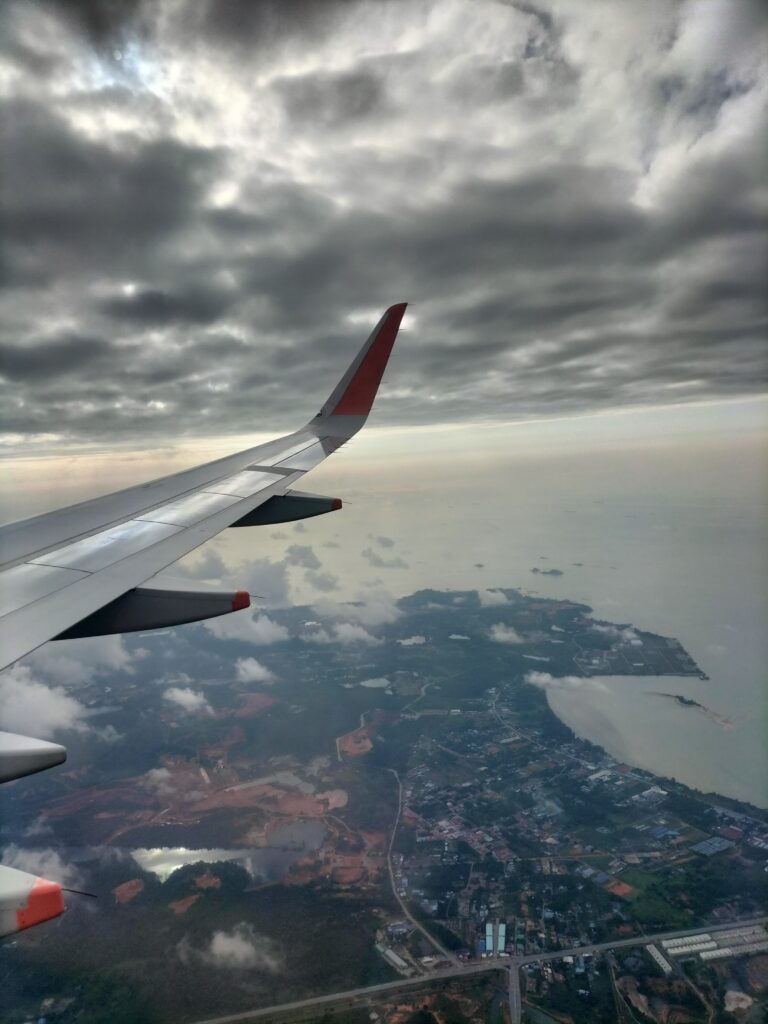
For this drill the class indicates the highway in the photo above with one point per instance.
(515, 996)
(515, 1000)
(416, 924)
(512, 965)
(640, 940)
(356, 994)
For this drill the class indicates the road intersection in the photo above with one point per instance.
(512, 965)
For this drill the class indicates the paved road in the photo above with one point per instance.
(427, 935)
(355, 994)
(640, 940)
(513, 966)
(515, 998)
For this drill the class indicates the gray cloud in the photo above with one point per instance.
(318, 101)
(374, 558)
(323, 581)
(303, 555)
(384, 542)
(181, 259)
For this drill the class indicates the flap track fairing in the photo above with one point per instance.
(156, 607)
(286, 508)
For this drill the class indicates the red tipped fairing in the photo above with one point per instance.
(27, 900)
(360, 392)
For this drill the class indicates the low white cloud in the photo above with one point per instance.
(158, 781)
(206, 566)
(371, 607)
(249, 670)
(47, 863)
(240, 949)
(265, 631)
(238, 626)
(109, 734)
(351, 633)
(458, 636)
(76, 662)
(376, 608)
(378, 683)
(489, 598)
(342, 633)
(317, 636)
(30, 707)
(262, 578)
(39, 827)
(260, 630)
(624, 634)
(412, 641)
(545, 681)
(189, 700)
(503, 634)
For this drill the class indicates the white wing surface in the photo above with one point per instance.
(92, 568)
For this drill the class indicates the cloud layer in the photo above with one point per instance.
(571, 196)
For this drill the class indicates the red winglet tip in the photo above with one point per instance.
(45, 901)
(361, 390)
(336, 504)
(242, 600)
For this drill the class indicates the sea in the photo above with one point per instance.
(672, 541)
(668, 534)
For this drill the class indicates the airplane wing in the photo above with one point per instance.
(92, 568)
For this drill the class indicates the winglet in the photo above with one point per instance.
(355, 392)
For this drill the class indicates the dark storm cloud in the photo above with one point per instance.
(187, 234)
(100, 21)
(153, 306)
(261, 22)
(69, 202)
(323, 100)
(51, 358)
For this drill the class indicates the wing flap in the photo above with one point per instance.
(26, 583)
(107, 547)
(26, 628)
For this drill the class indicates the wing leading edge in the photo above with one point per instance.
(92, 568)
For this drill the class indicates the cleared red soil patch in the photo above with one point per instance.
(127, 891)
(355, 743)
(347, 876)
(254, 704)
(208, 881)
(620, 889)
(182, 906)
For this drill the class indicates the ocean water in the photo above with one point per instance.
(673, 541)
(671, 535)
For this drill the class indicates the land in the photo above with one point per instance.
(388, 826)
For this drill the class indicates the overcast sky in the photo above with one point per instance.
(205, 206)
